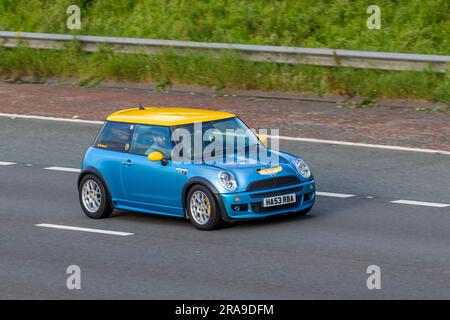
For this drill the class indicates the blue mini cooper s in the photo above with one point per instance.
(206, 166)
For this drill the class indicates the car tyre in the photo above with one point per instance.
(94, 199)
(202, 216)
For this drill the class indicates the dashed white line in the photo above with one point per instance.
(63, 169)
(2, 163)
(62, 227)
(334, 195)
(421, 203)
(318, 193)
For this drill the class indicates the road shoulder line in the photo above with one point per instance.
(365, 145)
(33, 117)
(335, 142)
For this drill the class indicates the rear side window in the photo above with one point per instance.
(115, 137)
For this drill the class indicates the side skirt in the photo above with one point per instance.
(121, 204)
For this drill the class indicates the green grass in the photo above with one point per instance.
(226, 71)
(407, 26)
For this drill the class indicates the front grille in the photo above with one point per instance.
(258, 208)
(276, 193)
(275, 182)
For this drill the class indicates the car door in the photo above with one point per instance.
(150, 184)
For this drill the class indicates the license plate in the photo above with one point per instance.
(279, 200)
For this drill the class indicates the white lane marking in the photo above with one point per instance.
(421, 203)
(3, 163)
(319, 193)
(342, 143)
(365, 145)
(24, 116)
(63, 169)
(56, 226)
(334, 195)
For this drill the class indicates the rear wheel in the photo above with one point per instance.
(93, 198)
(202, 208)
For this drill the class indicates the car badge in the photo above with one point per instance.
(181, 171)
(270, 171)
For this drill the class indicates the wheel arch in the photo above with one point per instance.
(95, 172)
(206, 183)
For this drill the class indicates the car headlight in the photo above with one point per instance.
(227, 180)
(303, 168)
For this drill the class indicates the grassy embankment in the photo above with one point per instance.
(407, 26)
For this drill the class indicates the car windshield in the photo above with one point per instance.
(214, 138)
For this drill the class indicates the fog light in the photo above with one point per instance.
(239, 207)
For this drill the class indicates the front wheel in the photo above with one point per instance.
(202, 208)
(94, 198)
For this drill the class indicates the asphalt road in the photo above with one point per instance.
(324, 255)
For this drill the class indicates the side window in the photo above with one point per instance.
(148, 139)
(185, 151)
(115, 136)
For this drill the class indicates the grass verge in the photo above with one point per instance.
(226, 71)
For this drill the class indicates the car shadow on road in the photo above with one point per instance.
(324, 209)
(151, 218)
(288, 218)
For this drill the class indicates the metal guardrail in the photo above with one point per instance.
(278, 54)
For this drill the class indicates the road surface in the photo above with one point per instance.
(378, 207)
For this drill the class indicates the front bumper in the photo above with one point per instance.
(249, 205)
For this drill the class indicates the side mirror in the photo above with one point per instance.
(262, 138)
(155, 156)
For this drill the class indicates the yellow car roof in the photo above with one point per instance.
(167, 116)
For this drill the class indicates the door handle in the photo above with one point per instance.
(127, 163)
